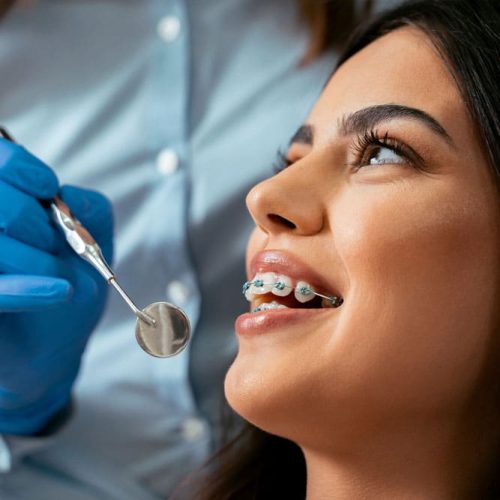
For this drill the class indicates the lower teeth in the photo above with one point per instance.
(267, 306)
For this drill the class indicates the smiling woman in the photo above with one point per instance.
(387, 199)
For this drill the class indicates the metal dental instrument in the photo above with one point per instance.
(162, 329)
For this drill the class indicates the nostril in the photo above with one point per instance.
(277, 219)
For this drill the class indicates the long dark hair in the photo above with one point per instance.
(259, 466)
(5, 6)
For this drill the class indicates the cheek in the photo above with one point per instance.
(422, 267)
(417, 242)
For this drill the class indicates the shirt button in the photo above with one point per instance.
(193, 429)
(178, 292)
(169, 28)
(167, 161)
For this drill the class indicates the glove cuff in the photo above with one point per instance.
(37, 419)
(57, 421)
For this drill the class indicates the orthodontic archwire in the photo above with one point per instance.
(303, 290)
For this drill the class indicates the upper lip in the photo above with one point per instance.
(281, 262)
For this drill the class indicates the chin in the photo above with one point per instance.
(244, 392)
(278, 404)
(249, 394)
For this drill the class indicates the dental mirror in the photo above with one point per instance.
(168, 336)
(162, 329)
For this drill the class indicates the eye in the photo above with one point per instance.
(385, 155)
(373, 149)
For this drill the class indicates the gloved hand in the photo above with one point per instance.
(50, 299)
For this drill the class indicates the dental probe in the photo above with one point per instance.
(162, 329)
(80, 240)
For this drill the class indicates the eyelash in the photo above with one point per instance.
(366, 144)
(363, 145)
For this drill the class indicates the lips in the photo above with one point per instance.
(270, 315)
(280, 262)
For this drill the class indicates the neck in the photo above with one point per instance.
(407, 463)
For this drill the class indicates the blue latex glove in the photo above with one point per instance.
(50, 299)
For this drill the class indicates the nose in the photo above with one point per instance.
(288, 202)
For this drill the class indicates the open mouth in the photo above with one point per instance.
(272, 291)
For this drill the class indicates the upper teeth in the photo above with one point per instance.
(282, 286)
(277, 284)
(303, 292)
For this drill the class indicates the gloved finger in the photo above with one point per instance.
(95, 213)
(24, 219)
(26, 172)
(18, 258)
(32, 293)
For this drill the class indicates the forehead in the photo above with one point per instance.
(402, 67)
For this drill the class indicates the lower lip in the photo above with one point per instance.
(266, 321)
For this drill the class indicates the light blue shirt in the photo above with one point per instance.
(173, 109)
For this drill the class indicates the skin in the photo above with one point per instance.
(377, 393)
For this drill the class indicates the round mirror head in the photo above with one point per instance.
(169, 336)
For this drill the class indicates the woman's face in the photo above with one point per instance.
(388, 203)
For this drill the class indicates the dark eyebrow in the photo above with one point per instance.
(367, 118)
(304, 135)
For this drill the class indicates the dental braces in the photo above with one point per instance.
(303, 290)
